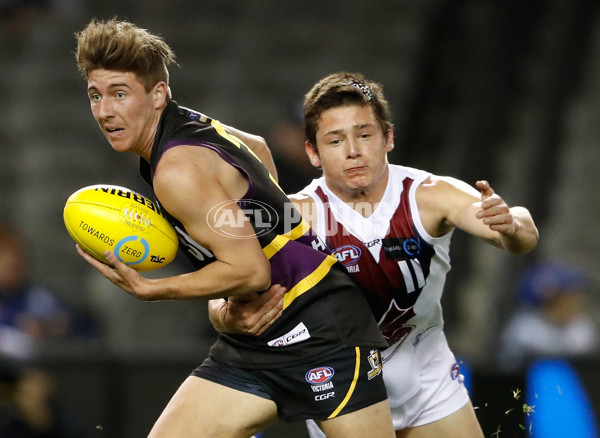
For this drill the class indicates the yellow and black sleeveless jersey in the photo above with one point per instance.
(323, 308)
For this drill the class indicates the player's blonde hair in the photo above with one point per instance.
(340, 89)
(122, 46)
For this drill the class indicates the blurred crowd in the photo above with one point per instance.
(31, 315)
(29, 407)
(552, 317)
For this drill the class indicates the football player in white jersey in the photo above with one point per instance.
(391, 227)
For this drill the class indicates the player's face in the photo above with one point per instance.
(352, 150)
(126, 114)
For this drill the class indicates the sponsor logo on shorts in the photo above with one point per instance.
(320, 379)
(320, 375)
(375, 363)
(455, 373)
(322, 397)
(419, 337)
(297, 334)
(322, 387)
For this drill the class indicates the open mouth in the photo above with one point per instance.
(113, 132)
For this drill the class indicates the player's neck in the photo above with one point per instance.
(361, 197)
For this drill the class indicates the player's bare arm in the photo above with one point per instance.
(186, 173)
(445, 203)
(255, 316)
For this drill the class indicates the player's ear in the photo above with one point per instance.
(159, 94)
(389, 143)
(313, 156)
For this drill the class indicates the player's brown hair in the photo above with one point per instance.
(340, 89)
(122, 46)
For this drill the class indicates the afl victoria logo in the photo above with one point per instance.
(347, 255)
(319, 375)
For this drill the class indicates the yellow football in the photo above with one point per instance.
(105, 217)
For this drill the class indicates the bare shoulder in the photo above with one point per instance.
(437, 185)
(438, 200)
(444, 189)
(179, 174)
(430, 192)
(187, 173)
(180, 163)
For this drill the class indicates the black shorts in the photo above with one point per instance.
(323, 387)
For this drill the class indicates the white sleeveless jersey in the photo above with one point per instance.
(400, 267)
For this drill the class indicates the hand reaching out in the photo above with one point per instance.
(494, 211)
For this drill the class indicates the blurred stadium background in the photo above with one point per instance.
(507, 91)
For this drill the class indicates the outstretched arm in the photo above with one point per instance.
(446, 203)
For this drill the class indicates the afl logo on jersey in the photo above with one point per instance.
(319, 375)
(347, 255)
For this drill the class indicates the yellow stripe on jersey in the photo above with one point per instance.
(309, 281)
(299, 230)
(275, 182)
(352, 386)
(276, 244)
(282, 239)
(239, 143)
(232, 138)
(223, 133)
